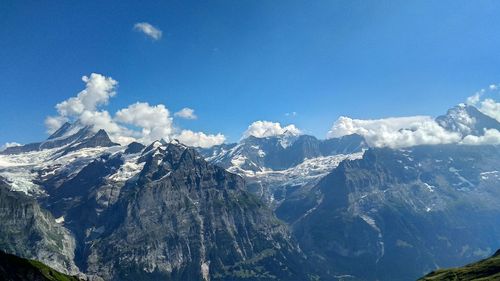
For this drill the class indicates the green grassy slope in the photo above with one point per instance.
(13, 268)
(484, 270)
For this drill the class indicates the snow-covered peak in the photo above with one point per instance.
(288, 138)
(178, 143)
(25, 170)
(467, 120)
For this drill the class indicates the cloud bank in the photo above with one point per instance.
(490, 136)
(488, 105)
(150, 31)
(262, 129)
(199, 139)
(420, 130)
(394, 132)
(137, 122)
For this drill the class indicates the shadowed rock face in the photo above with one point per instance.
(134, 147)
(397, 214)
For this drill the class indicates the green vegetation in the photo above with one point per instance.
(484, 270)
(16, 268)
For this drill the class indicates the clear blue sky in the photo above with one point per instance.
(235, 62)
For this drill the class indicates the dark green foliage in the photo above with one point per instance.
(484, 270)
(13, 268)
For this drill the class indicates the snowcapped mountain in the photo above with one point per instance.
(28, 165)
(80, 203)
(467, 120)
(275, 167)
(68, 136)
(161, 210)
(281, 152)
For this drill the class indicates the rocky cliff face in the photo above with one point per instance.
(185, 219)
(29, 231)
(397, 214)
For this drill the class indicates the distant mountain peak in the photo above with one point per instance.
(134, 147)
(467, 120)
(61, 131)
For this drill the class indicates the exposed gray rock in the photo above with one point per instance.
(396, 214)
(27, 230)
(177, 218)
(134, 147)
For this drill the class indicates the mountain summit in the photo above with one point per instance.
(467, 120)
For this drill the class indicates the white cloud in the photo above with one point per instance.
(491, 136)
(137, 122)
(487, 106)
(491, 108)
(84, 106)
(262, 129)
(98, 90)
(186, 113)
(101, 120)
(155, 121)
(199, 139)
(395, 132)
(9, 144)
(474, 99)
(148, 29)
(291, 114)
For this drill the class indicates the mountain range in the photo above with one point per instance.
(286, 207)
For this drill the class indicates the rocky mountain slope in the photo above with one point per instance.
(484, 270)
(32, 232)
(396, 214)
(148, 213)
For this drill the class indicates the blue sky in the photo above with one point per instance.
(235, 62)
